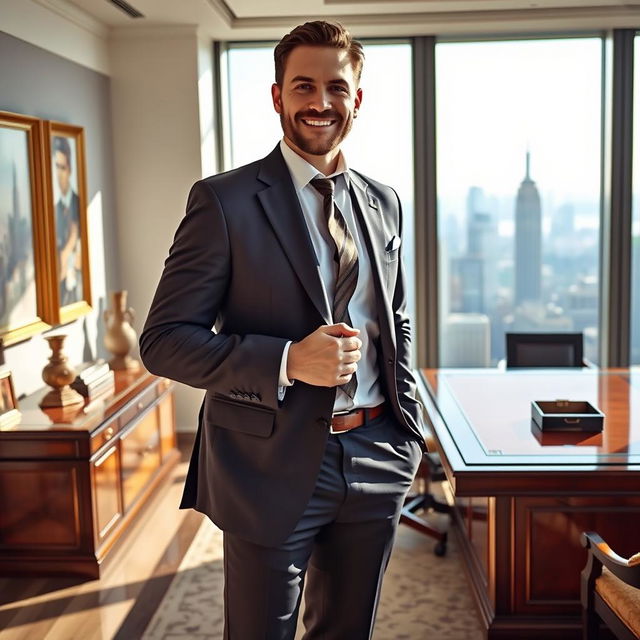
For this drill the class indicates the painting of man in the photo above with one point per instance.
(67, 213)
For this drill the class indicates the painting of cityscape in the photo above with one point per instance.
(21, 299)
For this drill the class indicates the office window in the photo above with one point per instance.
(635, 250)
(519, 156)
(380, 144)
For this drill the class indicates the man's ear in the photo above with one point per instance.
(358, 99)
(276, 97)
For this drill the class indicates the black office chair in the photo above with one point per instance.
(544, 350)
(415, 506)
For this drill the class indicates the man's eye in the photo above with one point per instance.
(304, 86)
(340, 88)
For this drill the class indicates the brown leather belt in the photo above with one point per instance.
(341, 422)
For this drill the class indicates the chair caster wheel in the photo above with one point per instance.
(441, 548)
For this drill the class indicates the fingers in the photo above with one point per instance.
(350, 344)
(348, 357)
(347, 369)
(339, 330)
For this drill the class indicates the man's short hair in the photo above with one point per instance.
(318, 34)
(62, 145)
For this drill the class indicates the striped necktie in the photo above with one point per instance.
(346, 257)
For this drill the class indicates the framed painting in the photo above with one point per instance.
(66, 217)
(9, 414)
(24, 280)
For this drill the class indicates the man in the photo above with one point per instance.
(67, 226)
(309, 434)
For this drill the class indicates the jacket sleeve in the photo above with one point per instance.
(178, 341)
(405, 379)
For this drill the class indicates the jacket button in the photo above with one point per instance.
(390, 361)
(323, 422)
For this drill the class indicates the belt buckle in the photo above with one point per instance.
(344, 412)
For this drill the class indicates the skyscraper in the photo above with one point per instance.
(528, 241)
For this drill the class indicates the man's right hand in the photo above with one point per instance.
(327, 357)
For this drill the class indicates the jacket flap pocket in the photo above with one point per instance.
(239, 416)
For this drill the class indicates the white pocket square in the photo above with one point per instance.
(394, 244)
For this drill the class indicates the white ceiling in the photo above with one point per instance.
(252, 19)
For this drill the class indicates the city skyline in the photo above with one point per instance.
(531, 280)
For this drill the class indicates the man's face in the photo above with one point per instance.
(63, 171)
(318, 98)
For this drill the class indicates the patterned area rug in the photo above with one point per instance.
(423, 596)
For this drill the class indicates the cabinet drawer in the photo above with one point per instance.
(106, 433)
(137, 406)
(140, 456)
(105, 472)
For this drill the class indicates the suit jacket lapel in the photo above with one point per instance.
(282, 208)
(369, 214)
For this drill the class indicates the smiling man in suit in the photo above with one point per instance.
(309, 434)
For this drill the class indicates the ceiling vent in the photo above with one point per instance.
(132, 12)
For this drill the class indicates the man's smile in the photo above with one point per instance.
(318, 123)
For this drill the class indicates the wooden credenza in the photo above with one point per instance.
(73, 479)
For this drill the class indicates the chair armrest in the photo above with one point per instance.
(626, 569)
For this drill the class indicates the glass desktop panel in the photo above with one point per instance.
(489, 415)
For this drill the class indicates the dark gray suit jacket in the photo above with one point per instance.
(242, 262)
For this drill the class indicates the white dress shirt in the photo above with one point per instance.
(362, 307)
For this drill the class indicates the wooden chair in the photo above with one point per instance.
(416, 506)
(609, 591)
(544, 350)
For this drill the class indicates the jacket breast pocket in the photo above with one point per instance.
(392, 249)
(392, 256)
(240, 417)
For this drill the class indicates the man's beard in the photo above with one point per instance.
(294, 132)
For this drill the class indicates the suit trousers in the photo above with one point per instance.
(340, 546)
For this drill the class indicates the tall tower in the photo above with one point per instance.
(528, 244)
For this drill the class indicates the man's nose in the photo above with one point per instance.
(320, 101)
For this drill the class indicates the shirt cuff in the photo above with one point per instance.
(283, 381)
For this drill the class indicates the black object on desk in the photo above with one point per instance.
(567, 415)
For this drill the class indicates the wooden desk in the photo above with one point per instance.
(72, 479)
(522, 498)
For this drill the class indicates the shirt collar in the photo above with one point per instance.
(65, 198)
(303, 172)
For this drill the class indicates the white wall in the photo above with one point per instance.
(158, 156)
(58, 28)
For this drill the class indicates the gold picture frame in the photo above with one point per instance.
(9, 414)
(66, 219)
(25, 305)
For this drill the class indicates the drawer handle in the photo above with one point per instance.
(108, 434)
(104, 456)
(140, 406)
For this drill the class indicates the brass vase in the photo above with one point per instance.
(120, 336)
(58, 374)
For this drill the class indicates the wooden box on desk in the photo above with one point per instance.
(72, 479)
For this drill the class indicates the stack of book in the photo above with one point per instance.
(94, 380)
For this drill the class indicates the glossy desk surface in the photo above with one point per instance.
(482, 418)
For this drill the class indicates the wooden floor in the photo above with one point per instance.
(121, 603)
